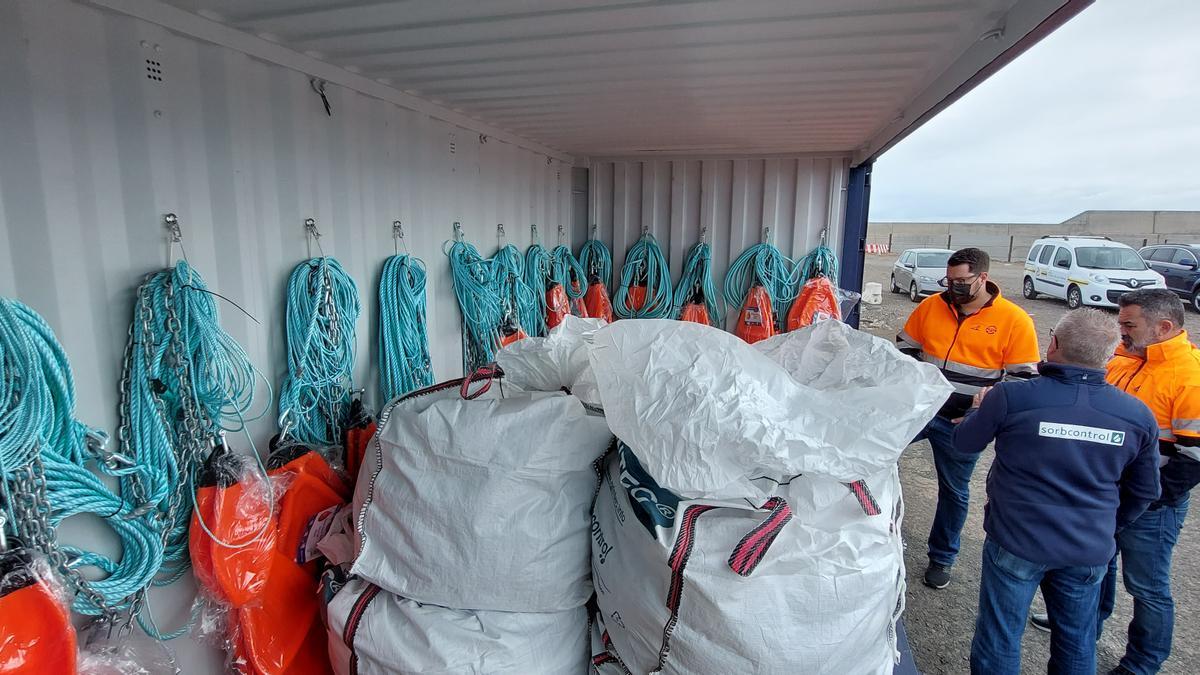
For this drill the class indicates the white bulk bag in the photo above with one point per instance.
(483, 503)
(707, 412)
(372, 632)
(823, 597)
(760, 530)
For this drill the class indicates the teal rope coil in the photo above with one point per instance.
(596, 260)
(564, 269)
(821, 261)
(645, 265)
(322, 310)
(762, 264)
(520, 303)
(41, 420)
(696, 285)
(186, 382)
(478, 300)
(537, 273)
(404, 362)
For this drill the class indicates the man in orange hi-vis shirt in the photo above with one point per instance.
(976, 337)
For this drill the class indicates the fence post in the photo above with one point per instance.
(1010, 246)
(949, 237)
(889, 242)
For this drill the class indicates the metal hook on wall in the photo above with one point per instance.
(458, 231)
(311, 234)
(500, 236)
(533, 233)
(319, 87)
(175, 236)
(595, 230)
(398, 236)
(561, 231)
(704, 235)
(766, 236)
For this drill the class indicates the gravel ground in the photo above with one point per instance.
(940, 623)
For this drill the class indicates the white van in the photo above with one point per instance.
(1094, 271)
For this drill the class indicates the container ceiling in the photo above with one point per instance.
(633, 77)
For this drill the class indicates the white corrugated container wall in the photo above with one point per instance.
(733, 200)
(96, 150)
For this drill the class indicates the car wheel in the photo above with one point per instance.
(895, 288)
(912, 292)
(1027, 289)
(1074, 298)
(1196, 299)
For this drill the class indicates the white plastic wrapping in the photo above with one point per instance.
(372, 632)
(707, 412)
(558, 360)
(484, 503)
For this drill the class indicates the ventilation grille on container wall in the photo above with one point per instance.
(154, 70)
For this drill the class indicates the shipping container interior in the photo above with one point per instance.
(731, 120)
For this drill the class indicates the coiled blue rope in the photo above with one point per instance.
(821, 261)
(764, 265)
(596, 260)
(478, 300)
(404, 363)
(186, 382)
(521, 305)
(41, 420)
(696, 284)
(322, 310)
(537, 272)
(645, 265)
(564, 269)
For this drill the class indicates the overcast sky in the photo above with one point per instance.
(1102, 114)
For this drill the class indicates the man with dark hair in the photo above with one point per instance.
(1076, 459)
(1157, 364)
(975, 337)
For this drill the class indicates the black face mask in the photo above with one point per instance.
(961, 293)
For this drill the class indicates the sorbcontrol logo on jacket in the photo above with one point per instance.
(1075, 432)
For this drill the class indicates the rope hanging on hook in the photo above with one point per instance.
(696, 287)
(478, 300)
(404, 363)
(762, 265)
(645, 291)
(537, 277)
(322, 310)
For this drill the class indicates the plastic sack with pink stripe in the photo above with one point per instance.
(749, 518)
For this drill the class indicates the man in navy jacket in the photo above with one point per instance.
(1076, 460)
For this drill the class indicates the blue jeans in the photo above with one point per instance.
(954, 471)
(1145, 550)
(1005, 591)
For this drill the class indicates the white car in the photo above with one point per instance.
(918, 270)
(1093, 271)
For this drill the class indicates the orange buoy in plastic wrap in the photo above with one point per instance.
(756, 321)
(695, 312)
(637, 297)
(36, 635)
(312, 492)
(597, 302)
(578, 307)
(818, 300)
(510, 334)
(232, 532)
(557, 305)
